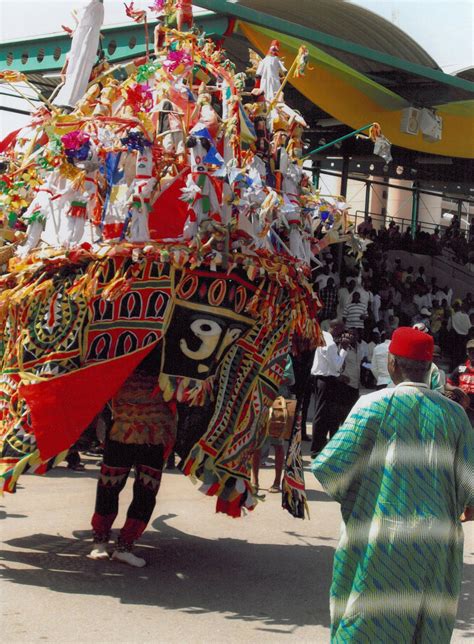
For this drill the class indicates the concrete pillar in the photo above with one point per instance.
(356, 191)
(429, 211)
(399, 203)
(378, 202)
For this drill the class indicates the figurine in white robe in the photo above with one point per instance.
(141, 190)
(269, 71)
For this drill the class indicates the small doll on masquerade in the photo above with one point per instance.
(184, 15)
(81, 198)
(205, 113)
(38, 212)
(169, 127)
(121, 177)
(202, 189)
(269, 71)
(164, 10)
(82, 167)
(141, 190)
(108, 97)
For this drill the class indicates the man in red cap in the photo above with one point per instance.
(402, 468)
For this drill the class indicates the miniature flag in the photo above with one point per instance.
(247, 130)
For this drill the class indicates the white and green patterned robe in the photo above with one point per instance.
(402, 469)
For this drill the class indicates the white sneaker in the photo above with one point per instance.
(99, 551)
(129, 558)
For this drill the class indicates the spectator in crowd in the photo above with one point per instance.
(322, 278)
(367, 377)
(397, 273)
(463, 377)
(421, 274)
(344, 295)
(393, 323)
(366, 295)
(424, 317)
(376, 303)
(355, 313)
(468, 301)
(459, 327)
(278, 426)
(437, 377)
(328, 296)
(421, 297)
(333, 272)
(444, 333)
(401, 469)
(379, 363)
(349, 380)
(365, 227)
(327, 365)
(437, 319)
(367, 271)
(408, 309)
(444, 293)
(408, 275)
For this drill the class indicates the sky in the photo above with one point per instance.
(444, 28)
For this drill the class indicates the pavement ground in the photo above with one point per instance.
(262, 578)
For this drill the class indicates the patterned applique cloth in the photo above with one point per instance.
(402, 469)
(141, 417)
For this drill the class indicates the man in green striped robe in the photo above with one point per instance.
(402, 469)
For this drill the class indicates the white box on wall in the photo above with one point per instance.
(410, 123)
(431, 125)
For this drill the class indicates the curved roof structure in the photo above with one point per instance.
(350, 22)
(370, 75)
(362, 68)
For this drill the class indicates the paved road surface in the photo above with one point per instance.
(262, 578)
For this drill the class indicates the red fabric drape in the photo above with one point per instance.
(169, 213)
(62, 407)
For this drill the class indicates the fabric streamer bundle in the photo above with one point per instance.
(168, 206)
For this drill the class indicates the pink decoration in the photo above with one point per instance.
(158, 6)
(178, 61)
(74, 140)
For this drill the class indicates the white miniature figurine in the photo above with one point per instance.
(36, 216)
(141, 190)
(268, 72)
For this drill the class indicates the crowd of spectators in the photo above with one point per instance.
(451, 240)
(361, 306)
(378, 296)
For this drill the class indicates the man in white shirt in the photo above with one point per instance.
(366, 295)
(322, 279)
(336, 277)
(379, 363)
(344, 296)
(327, 364)
(349, 380)
(421, 299)
(444, 294)
(355, 313)
(459, 324)
(376, 307)
(421, 274)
